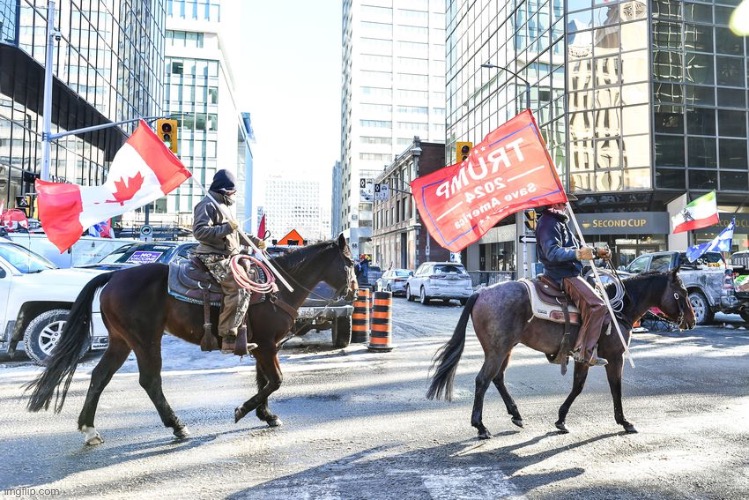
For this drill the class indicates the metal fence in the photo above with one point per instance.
(487, 278)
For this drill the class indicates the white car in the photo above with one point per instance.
(439, 280)
(35, 298)
(393, 281)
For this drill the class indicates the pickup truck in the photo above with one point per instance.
(709, 282)
(321, 310)
(35, 297)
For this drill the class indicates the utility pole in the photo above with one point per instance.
(52, 35)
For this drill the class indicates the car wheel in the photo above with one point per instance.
(702, 313)
(744, 315)
(342, 331)
(43, 334)
(463, 302)
(423, 296)
(409, 297)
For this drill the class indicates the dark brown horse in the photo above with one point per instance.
(502, 318)
(137, 310)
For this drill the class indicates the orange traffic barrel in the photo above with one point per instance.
(360, 318)
(382, 323)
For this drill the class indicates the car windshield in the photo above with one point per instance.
(24, 259)
(449, 269)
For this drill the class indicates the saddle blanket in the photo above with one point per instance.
(547, 310)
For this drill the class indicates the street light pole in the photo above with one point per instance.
(519, 217)
(527, 84)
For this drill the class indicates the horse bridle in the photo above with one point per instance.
(677, 297)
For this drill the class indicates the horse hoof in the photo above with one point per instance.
(181, 433)
(238, 414)
(630, 429)
(562, 428)
(275, 422)
(518, 421)
(485, 435)
(91, 436)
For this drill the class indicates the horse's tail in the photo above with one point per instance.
(74, 342)
(449, 355)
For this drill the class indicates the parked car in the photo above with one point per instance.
(374, 274)
(439, 280)
(321, 310)
(87, 250)
(144, 253)
(393, 281)
(35, 298)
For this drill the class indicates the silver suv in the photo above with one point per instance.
(439, 280)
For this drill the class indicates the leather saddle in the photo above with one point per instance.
(549, 302)
(189, 280)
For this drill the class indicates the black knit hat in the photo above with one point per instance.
(223, 182)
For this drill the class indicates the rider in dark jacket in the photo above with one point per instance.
(560, 253)
(218, 238)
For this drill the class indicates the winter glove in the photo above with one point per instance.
(584, 253)
(234, 224)
(603, 253)
(261, 245)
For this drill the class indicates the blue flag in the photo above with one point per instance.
(721, 243)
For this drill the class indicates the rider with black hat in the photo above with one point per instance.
(218, 238)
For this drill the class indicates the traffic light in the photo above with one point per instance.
(166, 129)
(531, 218)
(461, 151)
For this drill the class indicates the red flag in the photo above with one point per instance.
(14, 219)
(261, 228)
(510, 170)
(143, 170)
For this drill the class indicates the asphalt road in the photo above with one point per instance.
(357, 425)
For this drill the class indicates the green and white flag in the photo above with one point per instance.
(702, 212)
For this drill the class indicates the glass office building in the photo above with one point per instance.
(639, 102)
(108, 66)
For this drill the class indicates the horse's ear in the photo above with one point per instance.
(674, 271)
(341, 241)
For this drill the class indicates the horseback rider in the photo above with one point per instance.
(560, 253)
(218, 238)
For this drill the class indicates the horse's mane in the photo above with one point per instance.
(295, 259)
(635, 282)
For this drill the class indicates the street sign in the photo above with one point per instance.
(524, 238)
(381, 192)
(366, 189)
(146, 232)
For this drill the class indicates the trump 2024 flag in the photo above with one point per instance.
(510, 170)
(143, 170)
(702, 212)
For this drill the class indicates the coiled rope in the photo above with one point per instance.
(243, 279)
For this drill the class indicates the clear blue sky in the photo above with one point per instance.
(289, 80)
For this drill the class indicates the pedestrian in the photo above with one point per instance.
(218, 237)
(561, 254)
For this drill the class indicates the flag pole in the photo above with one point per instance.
(228, 216)
(599, 284)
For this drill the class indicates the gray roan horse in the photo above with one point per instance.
(501, 315)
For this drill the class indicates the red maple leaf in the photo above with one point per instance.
(126, 190)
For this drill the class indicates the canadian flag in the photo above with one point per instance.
(143, 170)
